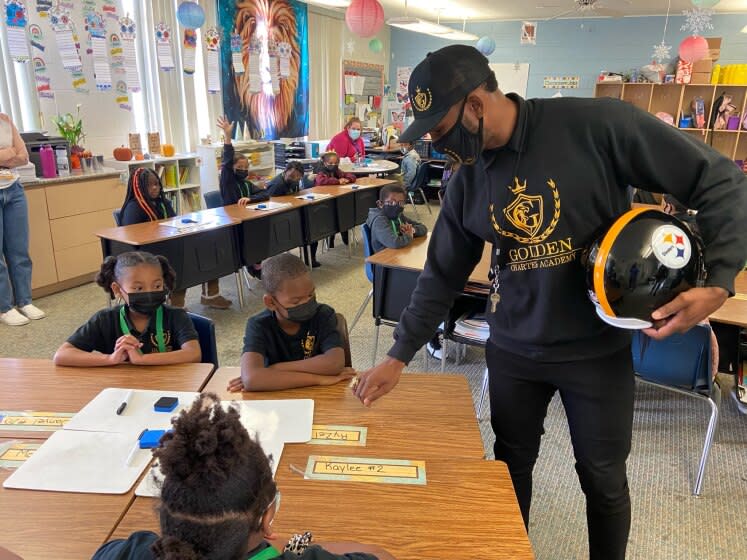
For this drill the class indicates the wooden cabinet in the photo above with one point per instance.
(676, 100)
(63, 214)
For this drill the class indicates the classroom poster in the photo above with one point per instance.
(272, 94)
(403, 78)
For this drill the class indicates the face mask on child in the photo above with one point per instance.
(146, 302)
(392, 211)
(331, 168)
(302, 313)
(241, 174)
(354, 134)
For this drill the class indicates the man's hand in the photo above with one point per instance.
(685, 311)
(378, 381)
(235, 385)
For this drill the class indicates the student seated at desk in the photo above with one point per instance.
(294, 342)
(409, 164)
(289, 181)
(235, 188)
(329, 173)
(142, 331)
(390, 228)
(145, 202)
(218, 498)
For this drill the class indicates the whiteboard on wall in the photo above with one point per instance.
(512, 77)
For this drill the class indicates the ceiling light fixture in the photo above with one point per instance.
(418, 25)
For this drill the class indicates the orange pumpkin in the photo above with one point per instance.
(168, 150)
(139, 157)
(122, 153)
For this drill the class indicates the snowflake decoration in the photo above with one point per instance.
(661, 52)
(350, 47)
(697, 20)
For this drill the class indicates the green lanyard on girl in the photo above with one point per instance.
(160, 339)
(244, 189)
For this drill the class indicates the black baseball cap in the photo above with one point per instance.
(443, 78)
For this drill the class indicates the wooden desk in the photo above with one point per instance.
(396, 273)
(196, 255)
(60, 524)
(382, 166)
(466, 509)
(40, 385)
(734, 310)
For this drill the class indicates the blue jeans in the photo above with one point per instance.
(15, 263)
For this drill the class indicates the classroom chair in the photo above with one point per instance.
(681, 363)
(213, 199)
(420, 180)
(367, 252)
(342, 328)
(206, 335)
(116, 216)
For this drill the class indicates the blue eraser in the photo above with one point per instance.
(310, 196)
(353, 187)
(150, 438)
(261, 206)
(166, 404)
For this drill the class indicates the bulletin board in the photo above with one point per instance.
(363, 92)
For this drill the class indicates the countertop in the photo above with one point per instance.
(73, 177)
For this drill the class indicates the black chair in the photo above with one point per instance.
(421, 180)
(213, 199)
(206, 335)
(117, 215)
(342, 328)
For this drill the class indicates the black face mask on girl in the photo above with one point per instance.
(459, 143)
(146, 302)
(241, 174)
(332, 168)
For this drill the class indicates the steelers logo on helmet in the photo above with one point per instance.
(639, 263)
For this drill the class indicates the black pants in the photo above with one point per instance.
(598, 398)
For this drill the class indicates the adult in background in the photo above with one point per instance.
(348, 143)
(16, 308)
(540, 177)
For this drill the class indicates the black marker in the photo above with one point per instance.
(124, 404)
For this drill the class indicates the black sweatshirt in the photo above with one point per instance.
(573, 159)
(231, 189)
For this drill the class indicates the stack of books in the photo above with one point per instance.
(472, 326)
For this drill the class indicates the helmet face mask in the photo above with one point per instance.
(641, 262)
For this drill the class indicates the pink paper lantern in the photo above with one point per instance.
(693, 48)
(364, 17)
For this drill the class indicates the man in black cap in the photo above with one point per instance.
(540, 177)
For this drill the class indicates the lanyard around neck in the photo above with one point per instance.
(395, 230)
(265, 554)
(244, 189)
(160, 340)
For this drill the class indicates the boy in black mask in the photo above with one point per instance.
(235, 187)
(294, 342)
(389, 225)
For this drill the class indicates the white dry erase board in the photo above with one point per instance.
(100, 415)
(512, 77)
(150, 486)
(89, 462)
(286, 420)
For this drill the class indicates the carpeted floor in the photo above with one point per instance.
(668, 523)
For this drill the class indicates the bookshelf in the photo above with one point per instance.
(675, 99)
(180, 176)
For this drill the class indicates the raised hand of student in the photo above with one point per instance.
(235, 385)
(227, 127)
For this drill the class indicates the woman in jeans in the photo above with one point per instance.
(15, 265)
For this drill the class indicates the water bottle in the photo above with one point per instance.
(48, 164)
(63, 166)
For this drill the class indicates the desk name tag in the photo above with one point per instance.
(338, 435)
(33, 421)
(365, 469)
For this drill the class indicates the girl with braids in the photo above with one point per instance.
(218, 498)
(145, 202)
(142, 330)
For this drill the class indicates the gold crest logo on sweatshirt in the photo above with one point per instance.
(526, 214)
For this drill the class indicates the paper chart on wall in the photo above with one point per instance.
(236, 57)
(97, 33)
(189, 51)
(163, 47)
(43, 84)
(127, 32)
(16, 30)
(59, 19)
(212, 42)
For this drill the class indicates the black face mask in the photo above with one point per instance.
(146, 302)
(330, 168)
(241, 174)
(302, 313)
(459, 143)
(392, 211)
